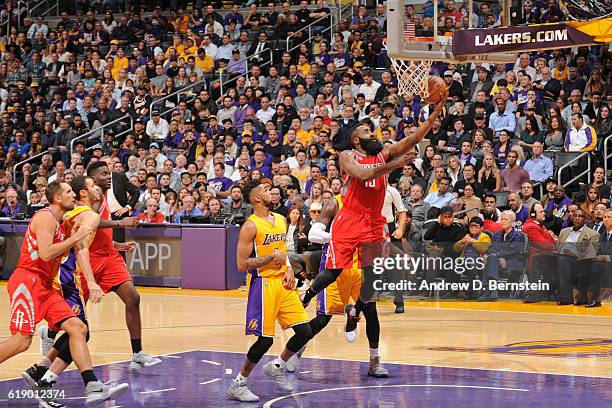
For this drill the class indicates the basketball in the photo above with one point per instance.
(437, 89)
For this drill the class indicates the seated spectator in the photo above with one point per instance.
(470, 202)
(443, 234)
(578, 246)
(580, 137)
(152, 214)
(539, 166)
(442, 197)
(489, 175)
(542, 261)
(12, 206)
(490, 219)
(520, 210)
(219, 183)
(473, 245)
(597, 223)
(502, 119)
(238, 207)
(592, 198)
(502, 148)
(188, 210)
(513, 176)
(600, 267)
(469, 177)
(504, 254)
(559, 205)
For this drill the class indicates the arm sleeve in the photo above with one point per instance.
(317, 234)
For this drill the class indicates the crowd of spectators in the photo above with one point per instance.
(190, 106)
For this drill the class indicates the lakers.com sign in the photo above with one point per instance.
(518, 39)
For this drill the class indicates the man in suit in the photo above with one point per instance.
(598, 224)
(578, 247)
(602, 266)
(122, 198)
(257, 46)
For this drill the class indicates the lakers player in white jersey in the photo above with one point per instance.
(262, 253)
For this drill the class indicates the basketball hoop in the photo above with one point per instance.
(412, 76)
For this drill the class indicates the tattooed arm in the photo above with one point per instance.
(245, 249)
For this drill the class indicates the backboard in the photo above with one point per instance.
(420, 30)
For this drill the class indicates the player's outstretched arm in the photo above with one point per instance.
(127, 222)
(356, 170)
(91, 220)
(43, 226)
(408, 143)
(245, 249)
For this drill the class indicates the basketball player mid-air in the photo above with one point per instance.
(33, 297)
(262, 252)
(359, 224)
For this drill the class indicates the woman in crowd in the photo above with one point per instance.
(489, 175)
(502, 148)
(315, 194)
(315, 159)
(576, 108)
(454, 170)
(556, 134)
(531, 134)
(428, 154)
(603, 124)
(469, 202)
(592, 198)
(594, 84)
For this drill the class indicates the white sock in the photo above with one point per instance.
(373, 353)
(45, 362)
(279, 362)
(49, 376)
(240, 378)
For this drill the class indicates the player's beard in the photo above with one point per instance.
(371, 146)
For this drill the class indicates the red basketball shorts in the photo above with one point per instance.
(32, 300)
(109, 271)
(350, 232)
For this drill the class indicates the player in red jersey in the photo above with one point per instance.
(359, 225)
(33, 297)
(109, 266)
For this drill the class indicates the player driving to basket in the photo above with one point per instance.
(359, 224)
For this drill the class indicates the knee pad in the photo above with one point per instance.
(259, 348)
(318, 323)
(60, 341)
(303, 330)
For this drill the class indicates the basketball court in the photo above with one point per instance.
(471, 354)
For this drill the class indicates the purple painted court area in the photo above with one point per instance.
(201, 378)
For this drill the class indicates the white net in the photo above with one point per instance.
(412, 76)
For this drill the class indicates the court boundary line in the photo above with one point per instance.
(271, 402)
(406, 305)
(502, 370)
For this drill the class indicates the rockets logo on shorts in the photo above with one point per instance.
(22, 309)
